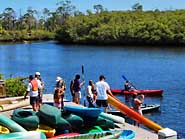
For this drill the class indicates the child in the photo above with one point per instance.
(57, 98)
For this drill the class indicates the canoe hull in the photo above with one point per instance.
(83, 111)
(145, 109)
(145, 92)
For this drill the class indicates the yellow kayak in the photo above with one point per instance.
(48, 131)
(4, 130)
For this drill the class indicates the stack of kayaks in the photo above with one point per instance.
(10, 124)
(75, 120)
(27, 119)
(91, 116)
(52, 117)
(17, 131)
(83, 122)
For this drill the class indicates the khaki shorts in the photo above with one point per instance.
(78, 94)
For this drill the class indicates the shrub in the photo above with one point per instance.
(15, 86)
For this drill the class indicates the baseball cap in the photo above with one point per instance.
(37, 73)
(58, 79)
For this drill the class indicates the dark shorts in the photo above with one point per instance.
(33, 100)
(103, 103)
(39, 98)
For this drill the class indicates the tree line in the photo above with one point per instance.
(68, 25)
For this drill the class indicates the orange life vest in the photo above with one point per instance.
(34, 84)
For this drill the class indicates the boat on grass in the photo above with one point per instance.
(146, 92)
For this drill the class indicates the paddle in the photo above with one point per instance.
(83, 80)
(128, 81)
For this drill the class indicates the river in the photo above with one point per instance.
(146, 68)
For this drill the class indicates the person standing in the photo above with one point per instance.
(90, 94)
(102, 88)
(137, 101)
(40, 90)
(77, 88)
(60, 89)
(72, 90)
(32, 90)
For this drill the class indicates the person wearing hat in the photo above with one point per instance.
(59, 92)
(102, 88)
(40, 90)
(32, 90)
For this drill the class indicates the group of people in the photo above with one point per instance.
(96, 94)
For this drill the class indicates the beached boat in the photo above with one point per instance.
(24, 135)
(76, 121)
(51, 116)
(114, 118)
(146, 108)
(26, 118)
(13, 103)
(10, 124)
(145, 92)
(83, 111)
(114, 134)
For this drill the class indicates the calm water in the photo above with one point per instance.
(153, 68)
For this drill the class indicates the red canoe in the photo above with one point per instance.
(145, 92)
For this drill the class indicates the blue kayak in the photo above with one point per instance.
(83, 111)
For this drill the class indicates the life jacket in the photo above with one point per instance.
(34, 84)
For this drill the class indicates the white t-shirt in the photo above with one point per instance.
(89, 91)
(101, 89)
(31, 92)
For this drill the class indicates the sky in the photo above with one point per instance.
(83, 5)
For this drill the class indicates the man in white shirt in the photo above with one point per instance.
(102, 88)
(32, 90)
